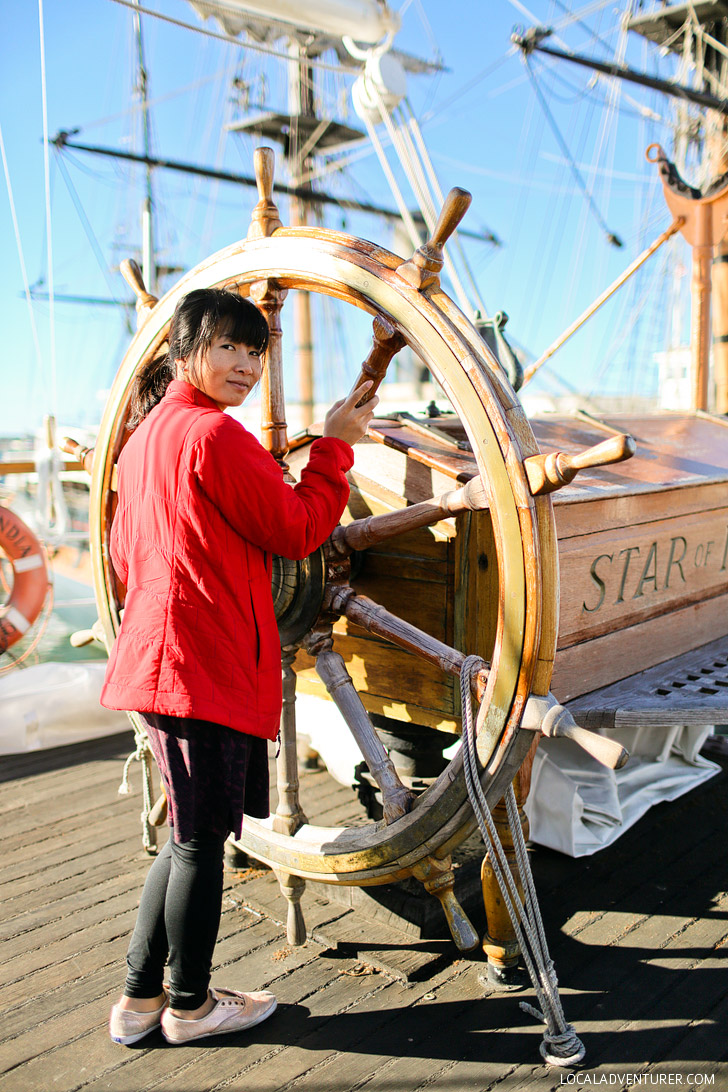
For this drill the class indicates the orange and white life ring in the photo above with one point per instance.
(30, 578)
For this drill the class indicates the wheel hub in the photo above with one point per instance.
(298, 594)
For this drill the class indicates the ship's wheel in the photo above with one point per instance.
(416, 836)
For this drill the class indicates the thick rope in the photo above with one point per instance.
(561, 1045)
(413, 169)
(142, 753)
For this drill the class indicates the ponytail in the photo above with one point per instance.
(150, 384)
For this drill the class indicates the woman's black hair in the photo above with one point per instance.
(199, 317)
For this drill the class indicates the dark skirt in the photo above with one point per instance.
(211, 774)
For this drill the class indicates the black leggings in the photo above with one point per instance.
(178, 919)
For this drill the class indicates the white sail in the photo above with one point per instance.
(363, 20)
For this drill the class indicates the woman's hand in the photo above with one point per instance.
(347, 421)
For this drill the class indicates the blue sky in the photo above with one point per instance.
(485, 131)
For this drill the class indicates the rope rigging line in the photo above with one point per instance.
(606, 146)
(419, 141)
(86, 224)
(561, 1046)
(586, 266)
(427, 27)
(198, 123)
(633, 303)
(393, 184)
(49, 222)
(577, 92)
(430, 115)
(592, 86)
(610, 236)
(415, 169)
(552, 238)
(578, 17)
(225, 106)
(21, 256)
(247, 44)
(156, 101)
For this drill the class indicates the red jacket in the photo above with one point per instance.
(202, 505)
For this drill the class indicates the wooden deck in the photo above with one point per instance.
(639, 935)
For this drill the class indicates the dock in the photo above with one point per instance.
(638, 933)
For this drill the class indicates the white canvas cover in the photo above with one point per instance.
(52, 704)
(577, 807)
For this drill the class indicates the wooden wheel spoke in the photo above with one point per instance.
(376, 619)
(289, 815)
(386, 343)
(361, 533)
(269, 296)
(396, 799)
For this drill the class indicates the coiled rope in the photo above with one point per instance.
(142, 753)
(561, 1046)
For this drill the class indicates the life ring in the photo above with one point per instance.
(30, 579)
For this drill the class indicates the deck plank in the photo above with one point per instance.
(639, 934)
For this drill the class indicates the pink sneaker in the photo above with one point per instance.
(127, 1027)
(233, 1011)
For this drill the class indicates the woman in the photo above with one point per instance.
(202, 506)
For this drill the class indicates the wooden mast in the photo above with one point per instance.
(717, 148)
(301, 101)
(149, 261)
(705, 226)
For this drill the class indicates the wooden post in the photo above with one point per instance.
(499, 943)
(376, 619)
(719, 284)
(270, 296)
(301, 103)
(715, 144)
(700, 309)
(705, 225)
(547, 473)
(289, 814)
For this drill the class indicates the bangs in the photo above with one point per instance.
(229, 315)
(242, 322)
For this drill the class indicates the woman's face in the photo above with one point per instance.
(227, 372)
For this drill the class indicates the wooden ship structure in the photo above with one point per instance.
(458, 541)
(590, 601)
